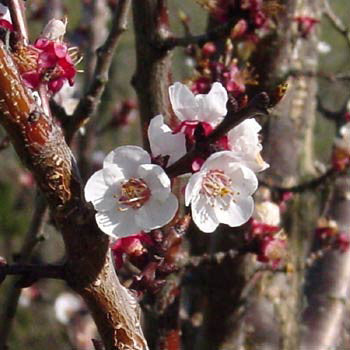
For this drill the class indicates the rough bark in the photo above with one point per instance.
(40, 143)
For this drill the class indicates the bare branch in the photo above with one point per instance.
(213, 35)
(311, 185)
(88, 104)
(337, 23)
(33, 272)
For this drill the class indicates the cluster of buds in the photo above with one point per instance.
(265, 236)
(226, 71)
(48, 61)
(328, 235)
(155, 255)
(341, 148)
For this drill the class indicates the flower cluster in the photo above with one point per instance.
(48, 61)
(130, 194)
(234, 78)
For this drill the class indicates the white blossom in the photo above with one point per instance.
(268, 213)
(245, 145)
(164, 142)
(130, 194)
(66, 305)
(221, 192)
(210, 108)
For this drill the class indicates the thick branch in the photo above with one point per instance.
(40, 143)
(153, 66)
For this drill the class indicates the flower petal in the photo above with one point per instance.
(99, 193)
(244, 180)
(164, 142)
(237, 213)
(117, 223)
(204, 215)
(128, 158)
(245, 144)
(156, 179)
(183, 102)
(193, 187)
(156, 213)
(212, 106)
(113, 175)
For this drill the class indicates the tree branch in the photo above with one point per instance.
(31, 271)
(213, 35)
(88, 104)
(322, 180)
(153, 66)
(337, 23)
(40, 143)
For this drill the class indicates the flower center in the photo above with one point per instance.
(217, 186)
(134, 194)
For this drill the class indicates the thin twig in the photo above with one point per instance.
(337, 23)
(33, 271)
(306, 186)
(331, 77)
(88, 104)
(212, 35)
